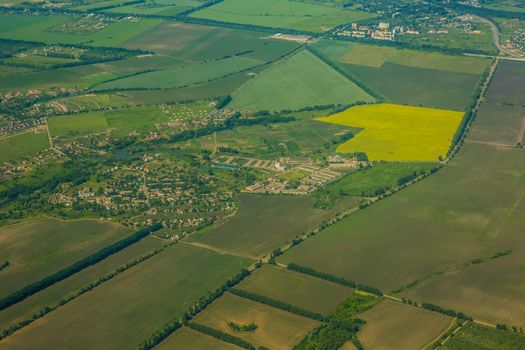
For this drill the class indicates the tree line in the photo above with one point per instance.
(80, 265)
(228, 338)
(277, 304)
(339, 280)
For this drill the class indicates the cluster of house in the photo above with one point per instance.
(382, 31)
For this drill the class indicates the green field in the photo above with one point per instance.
(24, 145)
(41, 28)
(276, 329)
(298, 81)
(303, 137)
(141, 299)
(187, 338)
(199, 42)
(263, 223)
(296, 289)
(184, 76)
(392, 325)
(475, 337)
(368, 182)
(53, 294)
(281, 14)
(429, 79)
(38, 248)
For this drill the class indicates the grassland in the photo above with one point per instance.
(53, 294)
(187, 338)
(299, 137)
(40, 28)
(298, 81)
(296, 289)
(24, 145)
(398, 133)
(429, 79)
(392, 325)
(199, 42)
(368, 182)
(38, 248)
(276, 329)
(263, 223)
(281, 14)
(184, 76)
(474, 337)
(141, 299)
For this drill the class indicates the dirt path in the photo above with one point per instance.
(49, 135)
(218, 250)
(488, 143)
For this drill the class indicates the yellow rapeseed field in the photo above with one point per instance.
(398, 133)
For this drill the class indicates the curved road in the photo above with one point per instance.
(495, 32)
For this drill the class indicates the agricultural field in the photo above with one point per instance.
(187, 338)
(104, 316)
(499, 124)
(52, 295)
(298, 81)
(296, 289)
(182, 77)
(65, 30)
(398, 133)
(23, 145)
(506, 87)
(281, 14)
(371, 181)
(392, 325)
(262, 224)
(429, 79)
(38, 248)
(473, 337)
(276, 329)
(195, 42)
(301, 137)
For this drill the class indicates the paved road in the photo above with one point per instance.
(495, 32)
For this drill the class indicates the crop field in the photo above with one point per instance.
(297, 289)
(429, 79)
(184, 76)
(163, 8)
(507, 85)
(82, 76)
(92, 102)
(299, 137)
(276, 329)
(200, 42)
(39, 248)
(70, 126)
(499, 124)
(41, 28)
(38, 61)
(376, 56)
(398, 133)
(392, 325)
(446, 217)
(281, 14)
(143, 298)
(262, 224)
(367, 182)
(298, 81)
(22, 145)
(187, 338)
(474, 337)
(489, 291)
(53, 294)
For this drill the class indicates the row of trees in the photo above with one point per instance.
(339, 280)
(80, 265)
(278, 304)
(228, 338)
(47, 309)
(4, 265)
(200, 305)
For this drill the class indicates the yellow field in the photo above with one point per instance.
(398, 133)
